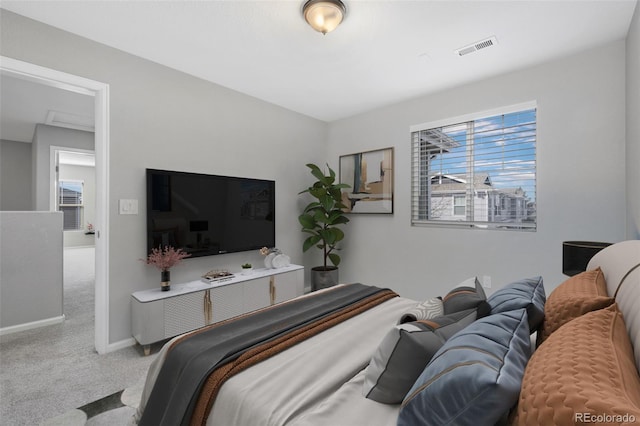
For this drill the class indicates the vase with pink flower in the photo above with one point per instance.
(269, 254)
(164, 259)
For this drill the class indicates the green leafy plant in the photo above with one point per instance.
(322, 217)
(246, 266)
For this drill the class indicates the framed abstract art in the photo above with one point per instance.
(370, 176)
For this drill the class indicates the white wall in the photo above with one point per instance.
(581, 191)
(162, 118)
(633, 127)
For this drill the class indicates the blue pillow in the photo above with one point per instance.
(526, 293)
(475, 378)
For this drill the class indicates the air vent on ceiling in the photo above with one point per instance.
(482, 44)
(70, 120)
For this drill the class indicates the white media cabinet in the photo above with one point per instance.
(158, 315)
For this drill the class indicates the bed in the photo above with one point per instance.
(319, 378)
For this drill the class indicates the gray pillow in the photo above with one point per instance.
(475, 378)
(526, 293)
(405, 351)
(468, 295)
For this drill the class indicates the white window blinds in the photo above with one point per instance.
(70, 203)
(476, 173)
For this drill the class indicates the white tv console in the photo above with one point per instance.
(157, 315)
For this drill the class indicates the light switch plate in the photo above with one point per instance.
(128, 206)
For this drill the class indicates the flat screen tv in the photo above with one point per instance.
(207, 215)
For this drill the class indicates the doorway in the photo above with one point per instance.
(74, 193)
(100, 92)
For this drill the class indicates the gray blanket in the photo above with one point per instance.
(190, 362)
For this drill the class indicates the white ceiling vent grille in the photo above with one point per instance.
(70, 120)
(482, 44)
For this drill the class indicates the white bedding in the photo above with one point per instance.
(313, 382)
(316, 382)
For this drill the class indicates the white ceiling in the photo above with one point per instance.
(23, 104)
(384, 52)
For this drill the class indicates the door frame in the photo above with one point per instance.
(100, 91)
(54, 151)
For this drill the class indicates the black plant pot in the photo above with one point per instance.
(322, 277)
(165, 278)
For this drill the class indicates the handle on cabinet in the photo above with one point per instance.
(272, 289)
(207, 308)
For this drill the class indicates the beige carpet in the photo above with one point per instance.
(116, 409)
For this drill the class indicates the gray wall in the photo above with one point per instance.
(15, 176)
(30, 267)
(162, 118)
(633, 127)
(580, 166)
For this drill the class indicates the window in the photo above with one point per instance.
(478, 171)
(459, 205)
(70, 203)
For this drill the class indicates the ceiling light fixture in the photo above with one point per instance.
(324, 15)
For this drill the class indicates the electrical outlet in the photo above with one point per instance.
(486, 281)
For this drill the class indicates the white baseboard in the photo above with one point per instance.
(31, 325)
(57, 320)
(111, 347)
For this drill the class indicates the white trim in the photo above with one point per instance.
(53, 162)
(31, 325)
(49, 77)
(100, 92)
(53, 179)
(116, 346)
(102, 219)
(473, 116)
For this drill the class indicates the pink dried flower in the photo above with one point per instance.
(165, 259)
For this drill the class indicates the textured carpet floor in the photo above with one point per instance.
(116, 409)
(52, 370)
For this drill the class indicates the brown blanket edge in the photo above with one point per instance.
(215, 381)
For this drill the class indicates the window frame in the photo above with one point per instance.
(64, 207)
(418, 179)
(463, 205)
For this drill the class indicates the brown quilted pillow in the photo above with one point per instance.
(585, 369)
(576, 296)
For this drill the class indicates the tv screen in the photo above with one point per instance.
(207, 215)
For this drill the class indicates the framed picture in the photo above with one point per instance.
(370, 175)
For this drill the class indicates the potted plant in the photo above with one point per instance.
(321, 219)
(246, 268)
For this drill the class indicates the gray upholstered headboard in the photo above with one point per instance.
(620, 264)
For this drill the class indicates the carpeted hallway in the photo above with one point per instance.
(48, 371)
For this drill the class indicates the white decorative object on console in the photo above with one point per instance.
(158, 315)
